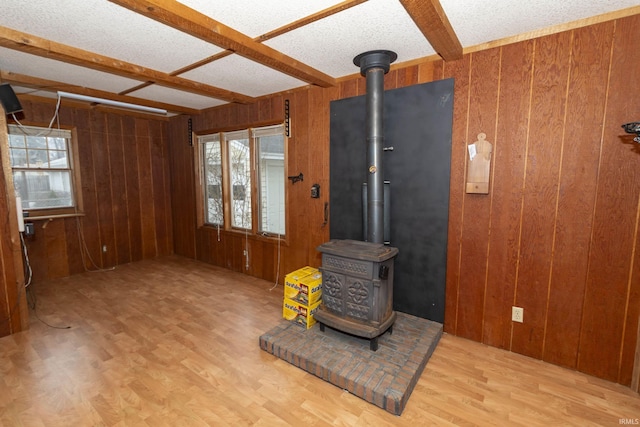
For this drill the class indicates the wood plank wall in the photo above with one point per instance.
(559, 232)
(124, 171)
(13, 303)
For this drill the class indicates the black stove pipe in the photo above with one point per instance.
(374, 65)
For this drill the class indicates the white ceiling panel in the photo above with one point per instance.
(176, 97)
(330, 45)
(480, 21)
(244, 76)
(107, 29)
(50, 69)
(256, 17)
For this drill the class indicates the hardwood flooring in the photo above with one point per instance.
(174, 342)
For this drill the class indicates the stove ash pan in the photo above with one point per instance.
(357, 287)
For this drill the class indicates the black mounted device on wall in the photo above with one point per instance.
(9, 100)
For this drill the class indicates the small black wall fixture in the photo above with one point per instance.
(296, 178)
(190, 130)
(9, 100)
(633, 127)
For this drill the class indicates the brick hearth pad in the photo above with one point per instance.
(385, 377)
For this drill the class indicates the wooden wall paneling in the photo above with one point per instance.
(130, 156)
(162, 202)
(509, 150)
(348, 88)
(590, 56)
(629, 369)
(362, 84)
(318, 147)
(8, 300)
(430, 71)
(55, 247)
(118, 176)
(73, 248)
(475, 217)
(236, 258)
(459, 71)
(544, 154)
(183, 211)
(145, 185)
(89, 232)
(298, 193)
(13, 307)
(207, 248)
(37, 251)
(407, 76)
(608, 285)
(390, 80)
(102, 170)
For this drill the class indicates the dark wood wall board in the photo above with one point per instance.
(590, 60)
(539, 212)
(474, 241)
(509, 148)
(610, 300)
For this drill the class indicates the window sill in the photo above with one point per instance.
(53, 216)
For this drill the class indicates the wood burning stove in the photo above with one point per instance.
(357, 288)
(357, 277)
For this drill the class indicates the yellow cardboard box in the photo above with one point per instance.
(306, 290)
(292, 288)
(299, 313)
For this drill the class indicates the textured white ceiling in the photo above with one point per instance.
(375, 24)
(257, 17)
(328, 45)
(480, 21)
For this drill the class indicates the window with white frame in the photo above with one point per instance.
(243, 177)
(42, 167)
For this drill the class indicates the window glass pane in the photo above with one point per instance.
(57, 143)
(212, 159)
(240, 177)
(41, 190)
(271, 181)
(36, 142)
(18, 158)
(58, 159)
(38, 159)
(16, 140)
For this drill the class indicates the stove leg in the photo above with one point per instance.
(390, 330)
(321, 327)
(373, 344)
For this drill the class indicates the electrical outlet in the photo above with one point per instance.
(104, 248)
(517, 314)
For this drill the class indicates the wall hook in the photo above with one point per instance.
(296, 178)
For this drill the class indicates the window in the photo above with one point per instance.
(42, 167)
(271, 178)
(212, 165)
(243, 179)
(239, 151)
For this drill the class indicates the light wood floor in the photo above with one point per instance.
(175, 342)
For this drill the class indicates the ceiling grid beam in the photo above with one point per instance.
(34, 45)
(434, 24)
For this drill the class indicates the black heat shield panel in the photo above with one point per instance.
(417, 124)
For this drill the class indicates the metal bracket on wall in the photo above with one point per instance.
(296, 178)
(190, 130)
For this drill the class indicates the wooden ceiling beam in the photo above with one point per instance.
(434, 24)
(54, 86)
(34, 45)
(192, 22)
